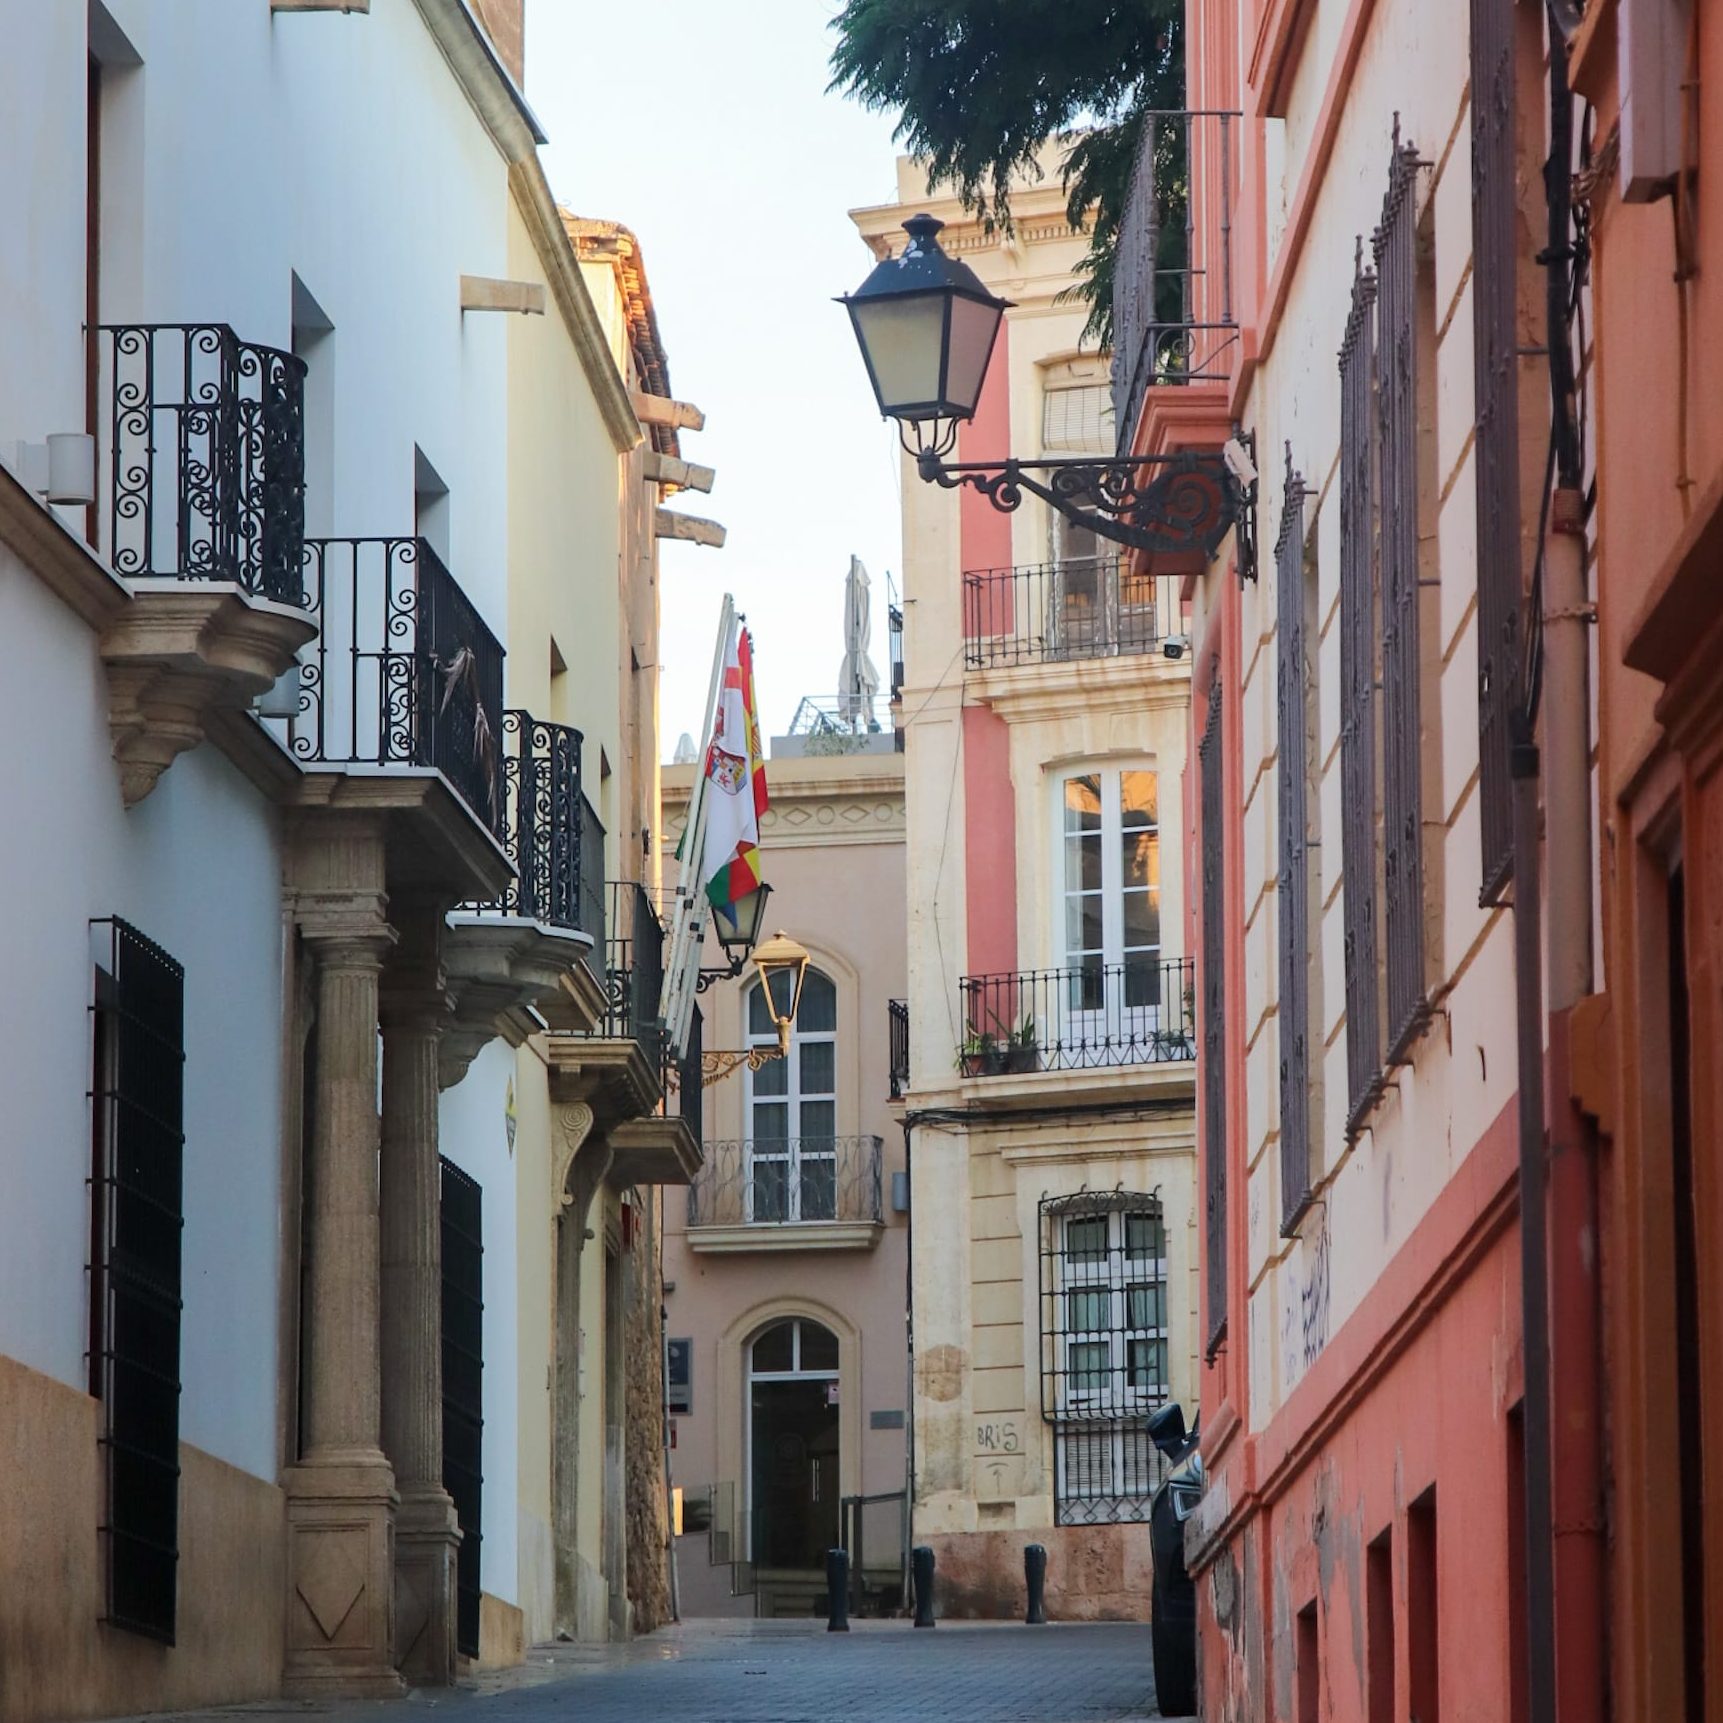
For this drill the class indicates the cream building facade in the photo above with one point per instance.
(1051, 1053)
(785, 1268)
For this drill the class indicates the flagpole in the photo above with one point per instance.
(688, 933)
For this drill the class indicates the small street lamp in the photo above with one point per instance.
(927, 328)
(782, 965)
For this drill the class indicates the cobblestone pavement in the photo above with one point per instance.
(794, 1672)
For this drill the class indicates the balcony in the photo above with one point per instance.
(532, 955)
(1173, 318)
(1059, 612)
(798, 1193)
(206, 457)
(897, 1011)
(404, 671)
(1090, 1017)
(203, 514)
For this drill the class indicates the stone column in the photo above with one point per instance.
(341, 1492)
(414, 1008)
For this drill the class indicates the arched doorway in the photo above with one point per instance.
(793, 1444)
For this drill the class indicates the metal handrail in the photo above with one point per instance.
(404, 670)
(776, 1181)
(206, 456)
(1138, 1012)
(1075, 608)
(1173, 318)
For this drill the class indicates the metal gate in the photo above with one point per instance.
(463, 1386)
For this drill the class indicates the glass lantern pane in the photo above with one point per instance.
(973, 327)
(902, 340)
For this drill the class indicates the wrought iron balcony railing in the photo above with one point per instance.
(1083, 607)
(549, 831)
(898, 1013)
(634, 971)
(780, 1181)
(1173, 320)
(1089, 1016)
(403, 672)
(205, 457)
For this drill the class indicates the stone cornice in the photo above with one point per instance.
(1040, 693)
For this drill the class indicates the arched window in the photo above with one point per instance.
(792, 1109)
(796, 1347)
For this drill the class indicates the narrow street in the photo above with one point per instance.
(794, 1672)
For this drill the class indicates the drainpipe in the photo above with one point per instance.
(1574, 1291)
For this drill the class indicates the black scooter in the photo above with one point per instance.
(1173, 1597)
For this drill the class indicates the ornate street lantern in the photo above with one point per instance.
(926, 328)
(782, 964)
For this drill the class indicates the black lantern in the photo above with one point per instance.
(740, 935)
(926, 328)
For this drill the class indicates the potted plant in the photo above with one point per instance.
(1023, 1048)
(982, 1055)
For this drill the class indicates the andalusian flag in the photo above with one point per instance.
(735, 784)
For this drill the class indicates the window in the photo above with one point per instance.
(1359, 858)
(1399, 284)
(1213, 839)
(1109, 874)
(1293, 689)
(1104, 1350)
(136, 1196)
(463, 1311)
(792, 1109)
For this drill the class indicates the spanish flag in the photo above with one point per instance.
(735, 784)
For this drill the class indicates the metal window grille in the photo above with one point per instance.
(1213, 1015)
(1294, 884)
(1104, 1343)
(1497, 450)
(897, 1012)
(463, 1386)
(206, 458)
(136, 1196)
(1358, 698)
(1396, 251)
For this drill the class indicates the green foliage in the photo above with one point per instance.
(981, 86)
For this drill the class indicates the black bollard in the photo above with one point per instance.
(921, 1561)
(837, 1591)
(1035, 1576)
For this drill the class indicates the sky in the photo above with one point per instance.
(704, 126)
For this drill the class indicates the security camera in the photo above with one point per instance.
(1238, 462)
(1174, 647)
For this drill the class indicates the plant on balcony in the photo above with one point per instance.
(982, 1054)
(1023, 1048)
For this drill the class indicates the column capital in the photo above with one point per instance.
(346, 934)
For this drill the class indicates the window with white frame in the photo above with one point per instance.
(1104, 1350)
(792, 1109)
(1109, 889)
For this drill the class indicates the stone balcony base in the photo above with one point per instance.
(750, 1236)
(504, 974)
(180, 651)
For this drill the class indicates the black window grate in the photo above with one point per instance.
(136, 1190)
(1291, 687)
(1358, 858)
(1497, 450)
(463, 1387)
(1396, 250)
(1213, 1014)
(1104, 1350)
